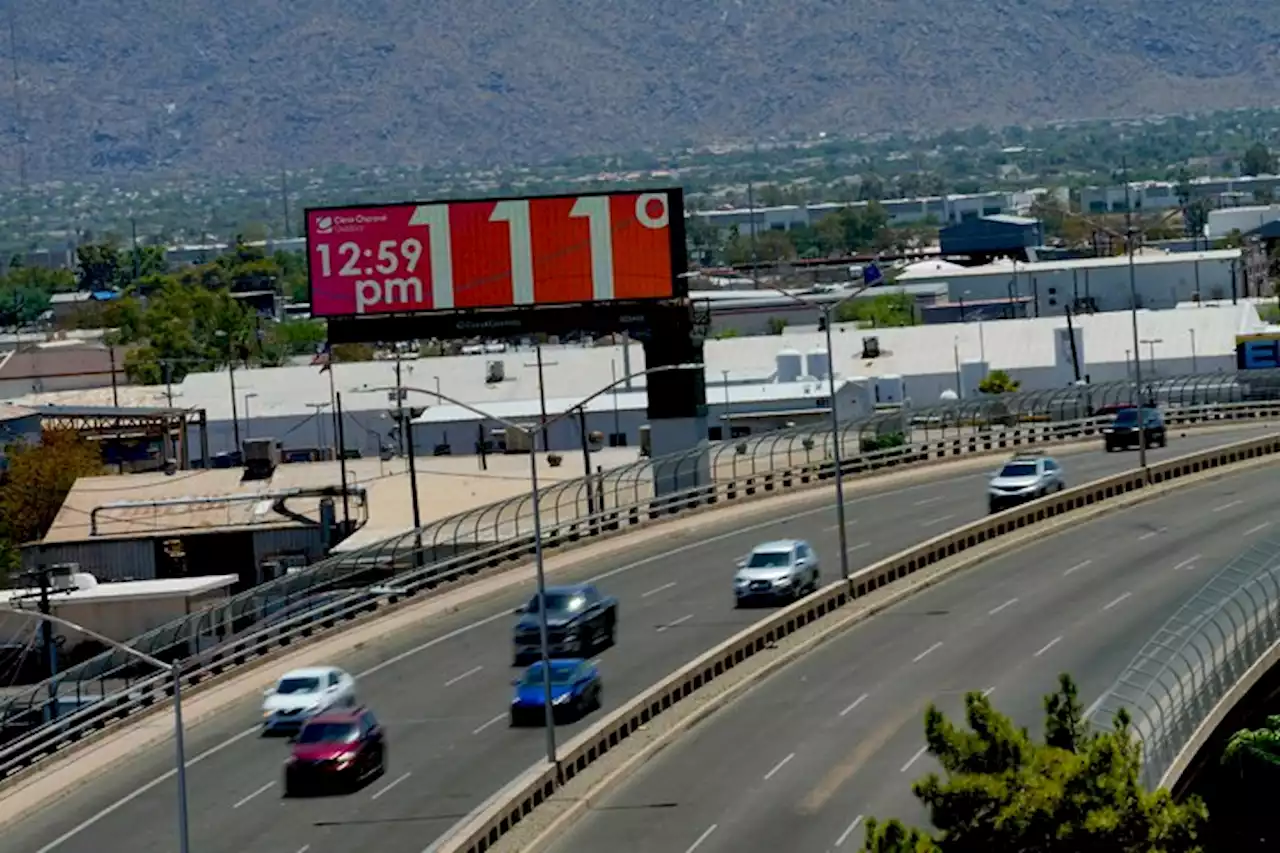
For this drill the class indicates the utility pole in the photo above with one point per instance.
(542, 394)
(40, 575)
(168, 381)
(115, 388)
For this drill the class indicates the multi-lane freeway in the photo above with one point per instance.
(800, 761)
(443, 692)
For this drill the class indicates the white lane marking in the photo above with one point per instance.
(993, 611)
(1117, 601)
(657, 589)
(988, 691)
(848, 522)
(701, 838)
(844, 836)
(390, 785)
(1257, 528)
(143, 789)
(1077, 567)
(781, 764)
(467, 674)
(1048, 646)
(1150, 533)
(665, 556)
(919, 752)
(486, 725)
(931, 522)
(1227, 506)
(1185, 563)
(674, 622)
(928, 501)
(304, 848)
(858, 547)
(854, 704)
(927, 651)
(262, 790)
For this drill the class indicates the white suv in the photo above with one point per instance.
(786, 569)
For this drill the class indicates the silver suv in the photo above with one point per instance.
(1025, 477)
(786, 569)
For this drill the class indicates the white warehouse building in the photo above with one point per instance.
(753, 383)
(1163, 280)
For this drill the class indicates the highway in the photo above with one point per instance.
(443, 692)
(800, 761)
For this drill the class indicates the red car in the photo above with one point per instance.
(336, 749)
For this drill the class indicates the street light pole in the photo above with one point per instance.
(539, 568)
(175, 672)
(836, 454)
(549, 717)
(1133, 313)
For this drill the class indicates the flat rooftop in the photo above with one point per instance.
(446, 485)
(120, 591)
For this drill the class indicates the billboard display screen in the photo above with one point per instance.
(499, 253)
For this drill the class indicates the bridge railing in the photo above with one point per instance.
(262, 620)
(1191, 664)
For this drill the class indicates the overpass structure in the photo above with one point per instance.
(442, 688)
(803, 759)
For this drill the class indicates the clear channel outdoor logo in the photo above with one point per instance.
(324, 224)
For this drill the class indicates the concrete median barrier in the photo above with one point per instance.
(502, 813)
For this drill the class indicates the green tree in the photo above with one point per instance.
(998, 382)
(1078, 791)
(100, 267)
(878, 312)
(37, 481)
(1257, 160)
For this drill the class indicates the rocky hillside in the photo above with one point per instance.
(212, 85)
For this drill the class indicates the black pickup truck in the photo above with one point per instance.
(579, 621)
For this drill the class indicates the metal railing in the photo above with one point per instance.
(1173, 684)
(264, 619)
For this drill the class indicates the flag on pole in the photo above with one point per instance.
(323, 357)
(871, 274)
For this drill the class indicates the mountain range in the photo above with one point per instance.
(198, 87)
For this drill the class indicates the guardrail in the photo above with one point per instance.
(501, 813)
(1191, 664)
(107, 689)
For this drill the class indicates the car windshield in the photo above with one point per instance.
(1018, 469)
(290, 686)
(769, 559)
(1128, 417)
(559, 602)
(328, 733)
(561, 673)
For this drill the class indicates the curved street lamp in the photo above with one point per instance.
(175, 672)
(533, 434)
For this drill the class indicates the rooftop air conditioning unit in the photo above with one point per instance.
(261, 456)
(62, 576)
(870, 347)
(495, 371)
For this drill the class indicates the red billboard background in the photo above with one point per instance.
(501, 253)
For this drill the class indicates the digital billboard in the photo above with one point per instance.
(499, 253)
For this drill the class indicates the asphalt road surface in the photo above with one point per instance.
(443, 692)
(801, 761)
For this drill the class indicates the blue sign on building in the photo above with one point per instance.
(1257, 352)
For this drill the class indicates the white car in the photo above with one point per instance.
(303, 693)
(786, 570)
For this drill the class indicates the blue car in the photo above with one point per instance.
(575, 692)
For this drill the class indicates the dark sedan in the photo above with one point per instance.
(336, 749)
(579, 621)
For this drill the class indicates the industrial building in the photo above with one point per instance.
(901, 211)
(1244, 220)
(1150, 196)
(1163, 280)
